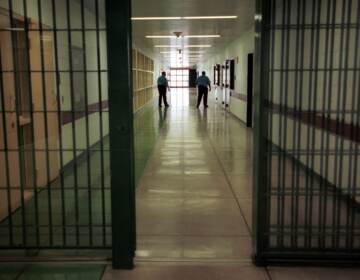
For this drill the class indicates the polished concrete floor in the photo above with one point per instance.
(194, 202)
(194, 171)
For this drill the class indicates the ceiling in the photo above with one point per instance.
(228, 29)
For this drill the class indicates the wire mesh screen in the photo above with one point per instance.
(54, 151)
(313, 114)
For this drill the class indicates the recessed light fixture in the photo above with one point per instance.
(202, 36)
(186, 46)
(211, 17)
(156, 18)
(186, 36)
(166, 46)
(161, 36)
(197, 46)
(186, 52)
(14, 29)
(179, 18)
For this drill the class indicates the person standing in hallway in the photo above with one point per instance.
(204, 86)
(163, 86)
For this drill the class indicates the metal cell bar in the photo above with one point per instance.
(270, 97)
(343, 120)
(101, 120)
(121, 132)
(309, 156)
(87, 124)
(31, 111)
(295, 134)
(323, 186)
(58, 98)
(301, 87)
(6, 156)
(337, 176)
(19, 135)
(261, 141)
(329, 106)
(355, 117)
(281, 155)
(285, 102)
(46, 125)
(73, 125)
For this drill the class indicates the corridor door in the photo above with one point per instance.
(307, 127)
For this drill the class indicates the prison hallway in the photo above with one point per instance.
(194, 201)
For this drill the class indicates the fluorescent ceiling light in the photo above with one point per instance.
(14, 29)
(211, 17)
(185, 36)
(161, 36)
(202, 36)
(156, 18)
(166, 46)
(198, 46)
(184, 52)
(179, 18)
(179, 47)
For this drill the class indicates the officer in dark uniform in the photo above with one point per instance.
(204, 86)
(163, 85)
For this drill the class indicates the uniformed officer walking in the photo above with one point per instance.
(204, 85)
(163, 85)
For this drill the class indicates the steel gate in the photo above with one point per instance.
(307, 130)
(56, 144)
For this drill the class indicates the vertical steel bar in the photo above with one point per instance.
(119, 43)
(322, 183)
(315, 98)
(300, 113)
(269, 112)
(73, 125)
(355, 119)
(103, 202)
(345, 85)
(18, 129)
(336, 170)
(60, 130)
(310, 110)
(261, 194)
(286, 108)
(31, 112)
(329, 106)
(295, 134)
(87, 124)
(46, 125)
(282, 130)
(6, 154)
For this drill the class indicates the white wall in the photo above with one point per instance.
(317, 92)
(238, 50)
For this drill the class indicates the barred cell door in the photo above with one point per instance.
(307, 92)
(66, 128)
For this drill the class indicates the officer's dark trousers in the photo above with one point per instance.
(203, 91)
(162, 95)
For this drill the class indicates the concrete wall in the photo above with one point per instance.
(97, 87)
(238, 50)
